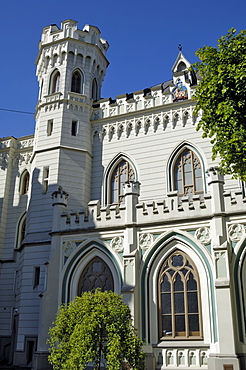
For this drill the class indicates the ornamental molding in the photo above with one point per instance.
(203, 235)
(145, 241)
(143, 124)
(117, 244)
(236, 232)
(68, 248)
(4, 160)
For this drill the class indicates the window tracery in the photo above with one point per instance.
(187, 173)
(179, 298)
(122, 173)
(96, 275)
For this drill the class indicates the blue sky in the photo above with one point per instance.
(143, 37)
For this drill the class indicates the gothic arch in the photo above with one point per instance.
(117, 160)
(24, 182)
(80, 259)
(77, 81)
(164, 246)
(239, 275)
(20, 230)
(55, 82)
(175, 155)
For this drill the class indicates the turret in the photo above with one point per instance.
(71, 65)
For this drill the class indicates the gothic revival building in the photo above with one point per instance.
(120, 194)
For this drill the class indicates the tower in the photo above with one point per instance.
(71, 66)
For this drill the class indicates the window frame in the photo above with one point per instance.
(186, 334)
(24, 182)
(171, 168)
(81, 83)
(120, 196)
(55, 82)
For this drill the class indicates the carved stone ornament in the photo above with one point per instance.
(117, 244)
(236, 232)
(203, 235)
(145, 241)
(68, 248)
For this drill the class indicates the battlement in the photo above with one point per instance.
(169, 210)
(69, 29)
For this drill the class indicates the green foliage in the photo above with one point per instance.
(95, 323)
(221, 95)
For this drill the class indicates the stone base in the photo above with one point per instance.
(40, 361)
(223, 362)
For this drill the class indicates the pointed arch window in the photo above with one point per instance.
(122, 173)
(76, 82)
(179, 298)
(21, 231)
(24, 182)
(55, 86)
(94, 91)
(187, 174)
(96, 274)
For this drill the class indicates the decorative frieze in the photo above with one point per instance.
(146, 123)
(4, 160)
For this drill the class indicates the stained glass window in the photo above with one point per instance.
(179, 301)
(96, 275)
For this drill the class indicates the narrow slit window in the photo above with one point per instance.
(36, 277)
(74, 128)
(46, 180)
(50, 126)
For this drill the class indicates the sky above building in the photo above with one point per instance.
(143, 37)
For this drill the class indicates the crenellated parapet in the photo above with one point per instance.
(169, 210)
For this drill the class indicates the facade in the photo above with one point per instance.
(120, 194)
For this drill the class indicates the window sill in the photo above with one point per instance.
(177, 343)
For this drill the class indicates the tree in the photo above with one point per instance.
(91, 326)
(221, 95)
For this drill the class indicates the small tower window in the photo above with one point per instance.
(50, 127)
(55, 83)
(46, 180)
(25, 179)
(94, 93)
(74, 128)
(76, 82)
(36, 277)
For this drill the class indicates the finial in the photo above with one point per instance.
(180, 47)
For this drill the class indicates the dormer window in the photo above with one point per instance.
(181, 67)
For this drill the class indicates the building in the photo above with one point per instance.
(120, 194)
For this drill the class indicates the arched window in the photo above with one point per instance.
(94, 91)
(179, 298)
(24, 182)
(76, 82)
(96, 275)
(21, 231)
(55, 82)
(123, 172)
(187, 174)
